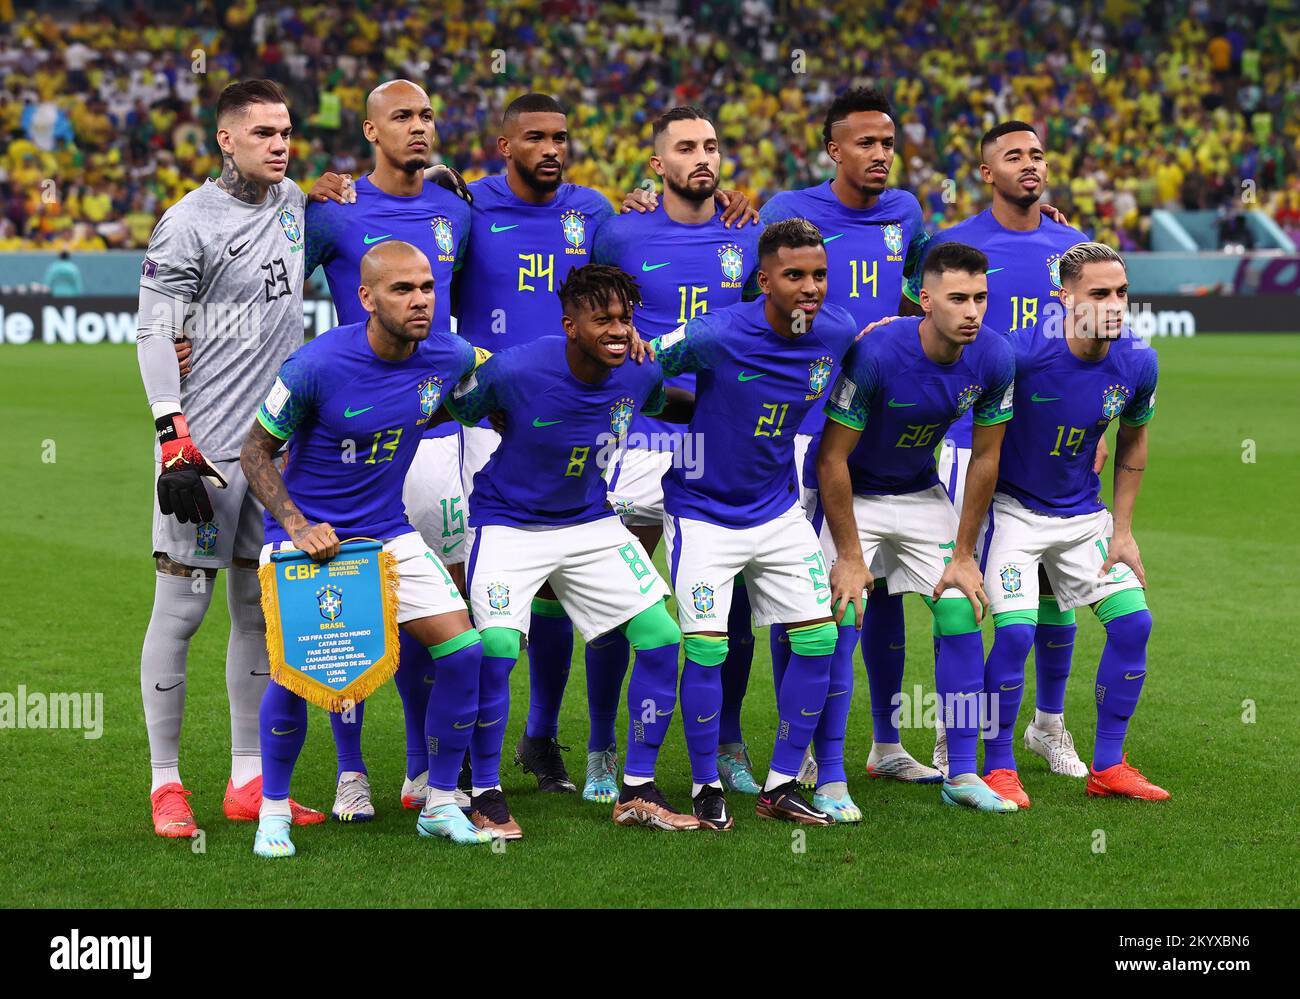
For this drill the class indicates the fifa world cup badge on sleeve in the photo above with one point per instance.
(331, 627)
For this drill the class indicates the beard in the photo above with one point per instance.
(416, 164)
(690, 193)
(531, 178)
(1025, 198)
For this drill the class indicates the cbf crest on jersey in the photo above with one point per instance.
(1010, 579)
(330, 601)
(893, 234)
(1054, 270)
(732, 260)
(445, 238)
(1113, 401)
(289, 223)
(430, 397)
(575, 231)
(702, 597)
(966, 398)
(819, 376)
(498, 595)
(620, 416)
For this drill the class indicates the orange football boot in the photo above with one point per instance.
(1123, 781)
(172, 815)
(244, 805)
(1006, 782)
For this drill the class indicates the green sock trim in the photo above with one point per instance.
(707, 650)
(1015, 617)
(653, 628)
(500, 643)
(814, 639)
(1049, 611)
(952, 615)
(465, 638)
(548, 608)
(1121, 603)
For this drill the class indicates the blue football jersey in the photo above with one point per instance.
(353, 422)
(519, 255)
(683, 271)
(561, 433)
(338, 236)
(1024, 275)
(867, 252)
(1063, 405)
(753, 388)
(903, 403)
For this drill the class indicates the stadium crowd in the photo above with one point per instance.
(107, 119)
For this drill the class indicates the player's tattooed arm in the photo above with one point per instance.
(236, 184)
(257, 459)
(1130, 463)
(849, 575)
(963, 571)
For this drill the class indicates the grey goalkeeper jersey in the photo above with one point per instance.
(240, 268)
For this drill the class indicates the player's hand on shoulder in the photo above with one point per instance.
(1124, 548)
(335, 187)
(736, 208)
(640, 200)
(871, 326)
(1055, 214)
(318, 540)
(1102, 453)
(963, 573)
(184, 352)
(850, 581)
(639, 350)
(450, 179)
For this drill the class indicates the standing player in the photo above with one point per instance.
(541, 514)
(902, 387)
(368, 389)
(760, 367)
(1024, 246)
(687, 262)
(396, 202)
(874, 237)
(225, 264)
(1074, 376)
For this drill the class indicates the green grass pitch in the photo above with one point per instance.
(1221, 554)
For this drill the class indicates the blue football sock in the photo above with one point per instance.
(550, 653)
(452, 707)
(1120, 676)
(779, 643)
(414, 680)
(1053, 650)
(282, 723)
(884, 653)
(347, 737)
(493, 716)
(1004, 688)
(959, 679)
(651, 695)
(803, 694)
(606, 666)
(701, 698)
(833, 725)
(735, 668)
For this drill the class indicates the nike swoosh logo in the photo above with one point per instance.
(653, 267)
(745, 376)
(237, 250)
(1059, 645)
(1014, 686)
(491, 723)
(448, 549)
(504, 228)
(662, 714)
(253, 672)
(648, 587)
(1135, 676)
(538, 422)
(704, 721)
(458, 725)
(163, 690)
(900, 405)
(428, 680)
(830, 239)
(836, 693)
(1044, 398)
(374, 239)
(1122, 576)
(287, 731)
(810, 714)
(994, 270)
(350, 412)
(896, 648)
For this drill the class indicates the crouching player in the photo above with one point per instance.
(352, 404)
(541, 515)
(903, 385)
(1071, 382)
